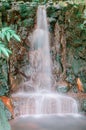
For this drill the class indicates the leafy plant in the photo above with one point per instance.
(23, 11)
(6, 34)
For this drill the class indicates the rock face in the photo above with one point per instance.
(67, 40)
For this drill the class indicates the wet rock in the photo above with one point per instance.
(4, 125)
(83, 105)
(62, 87)
(35, 58)
(84, 86)
(70, 78)
(75, 89)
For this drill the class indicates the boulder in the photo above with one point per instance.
(62, 87)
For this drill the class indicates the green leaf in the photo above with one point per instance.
(0, 52)
(2, 36)
(2, 44)
(5, 29)
(16, 37)
(8, 33)
(84, 22)
(82, 26)
(8, 36)
(9, 51)
(4, 51)
(11, 31)
(85, 13)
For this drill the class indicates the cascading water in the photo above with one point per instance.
(40, 45)
(41, 100)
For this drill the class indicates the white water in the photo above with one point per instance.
(41, 53)
(42, 104)
(41, 100)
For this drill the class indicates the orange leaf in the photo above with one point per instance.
(7, 102)
(80, 85)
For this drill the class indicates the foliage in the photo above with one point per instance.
(4, 50)
(27, 14)
(28, 22)
(6, 4)
(23, 10)
(6, 34)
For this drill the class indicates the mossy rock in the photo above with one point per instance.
(62, 89)
(70, 78)
(83, 105)
(75, 89)
(75, 66)
(4, 125)
(84, 86)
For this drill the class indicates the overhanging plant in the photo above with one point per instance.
(6, 34)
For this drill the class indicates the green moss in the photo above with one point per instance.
(3, 77)
(28, 22)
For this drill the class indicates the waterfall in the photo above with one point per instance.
(41, 100)
(40, 45)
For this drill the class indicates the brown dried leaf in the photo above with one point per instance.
(80, 85)
(7, 102)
